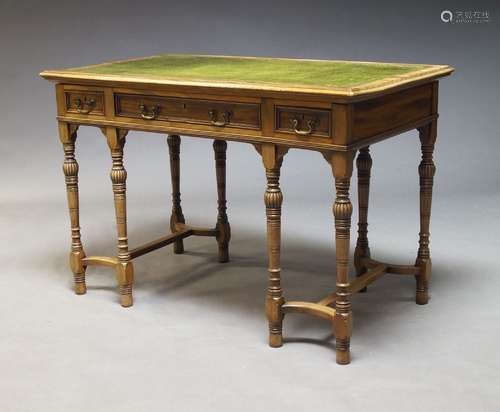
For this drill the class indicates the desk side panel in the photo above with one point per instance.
(392, 112)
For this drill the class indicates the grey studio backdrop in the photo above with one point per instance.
(196, 337)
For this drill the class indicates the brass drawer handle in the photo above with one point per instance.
(310, 127)
(213, 118)
(84, 107)
(151, 114)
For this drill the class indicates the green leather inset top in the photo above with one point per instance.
(308, 73)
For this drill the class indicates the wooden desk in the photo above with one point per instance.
(335, 108)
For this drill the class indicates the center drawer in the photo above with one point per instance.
(178, 109)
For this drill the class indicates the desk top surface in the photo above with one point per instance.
(341, 78)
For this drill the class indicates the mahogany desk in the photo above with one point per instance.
(336, 108)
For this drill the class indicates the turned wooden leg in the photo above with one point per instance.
(364, 165)
(426, 170)
(174, 143)
(272, 156)
(342, 163)
(223, 228)
(124, 269)
(67, 134)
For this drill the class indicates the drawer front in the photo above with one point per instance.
(84, 102)
(174, 109)
(302, 121)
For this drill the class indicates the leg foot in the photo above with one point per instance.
(223, 236)
(80, 285)
(276, 339)
(125, 278)
(179, 247)
(76, 264)
(178, 244)
(275, 318)
(422, 295)
(223, 254)
(126, 299)
(343, 354)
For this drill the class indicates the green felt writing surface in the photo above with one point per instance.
(311, 73)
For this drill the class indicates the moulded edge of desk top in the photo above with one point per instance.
(377, 87)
